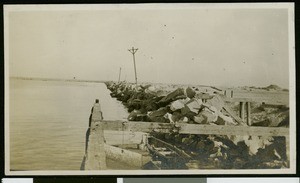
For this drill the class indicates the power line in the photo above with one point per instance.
(133, 51)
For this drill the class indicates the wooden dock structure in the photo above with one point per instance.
(245, 103)
(96, 155)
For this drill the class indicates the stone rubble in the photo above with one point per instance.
(152, 103)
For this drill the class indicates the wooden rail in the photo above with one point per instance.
(185, 128)
(259, 100)
(245, 104)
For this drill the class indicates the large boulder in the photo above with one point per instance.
(206, 117)
(178, 104)
(172, 96)
(136, 115)
(190, 92)
(204, 96)
(158, 115)
(225, 120)
(185, 111)
(194, 105)
(216, 102)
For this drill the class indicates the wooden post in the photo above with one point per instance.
(96, 157)
(231, 93)
(249, 114)
(225, 93)
(242, 111)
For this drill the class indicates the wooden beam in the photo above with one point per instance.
(233, 115)
(185, 128)
(242, 111)
(137, 126)
(249, 123)
(172, 147)
(265, 100)
(233, 130)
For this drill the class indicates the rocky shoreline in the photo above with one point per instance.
(205, 105)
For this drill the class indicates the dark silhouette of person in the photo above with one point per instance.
(96, 105)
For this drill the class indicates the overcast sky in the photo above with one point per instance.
(221, 47)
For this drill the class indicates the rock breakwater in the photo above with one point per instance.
(199, 105)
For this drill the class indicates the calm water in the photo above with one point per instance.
(49, 119)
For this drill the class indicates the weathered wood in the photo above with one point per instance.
(259, 100)
(242, 111)
(132, 157)
(123, 137)
(172, 147)
(137, 126)
(95, 156)
(233, 130)
(233, 115)
(249, 114)
(185, 128)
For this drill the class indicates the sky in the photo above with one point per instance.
(205, 46)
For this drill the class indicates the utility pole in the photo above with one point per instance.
(119, 74)
(133, 51)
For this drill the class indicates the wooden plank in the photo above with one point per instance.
(233, 130)
(258, 100)
(233, 115)
(137, 126)
(185, 128)
(172, 147)
(123, 137)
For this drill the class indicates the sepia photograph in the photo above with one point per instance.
(150, 89)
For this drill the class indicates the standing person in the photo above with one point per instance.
(96, 108)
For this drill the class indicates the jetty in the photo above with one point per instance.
(192, 127)
(128, 142)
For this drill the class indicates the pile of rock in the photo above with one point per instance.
(183, 105)
(191, 105)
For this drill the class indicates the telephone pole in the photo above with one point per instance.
(119, 74)
(133, 51)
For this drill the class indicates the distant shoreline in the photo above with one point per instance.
(56, 79)
(249, 88)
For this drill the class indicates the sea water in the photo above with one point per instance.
(48, 122)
